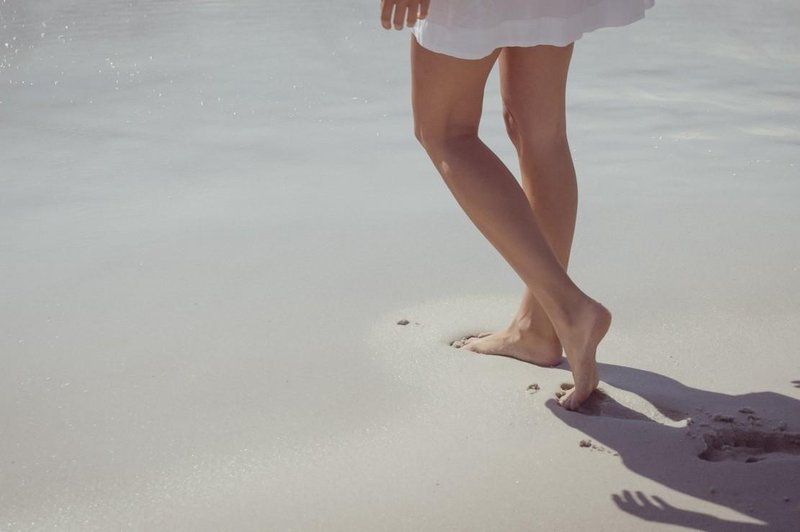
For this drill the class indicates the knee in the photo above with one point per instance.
(436, 137)
(531, 135)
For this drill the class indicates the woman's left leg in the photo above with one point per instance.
(533, 84)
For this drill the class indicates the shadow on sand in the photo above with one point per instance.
(735, 451)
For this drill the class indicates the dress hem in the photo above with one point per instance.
(552, 31)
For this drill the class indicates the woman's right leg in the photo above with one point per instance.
(447, 98)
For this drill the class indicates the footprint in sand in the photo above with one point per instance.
(746, 445)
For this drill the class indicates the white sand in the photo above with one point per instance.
(214, 213)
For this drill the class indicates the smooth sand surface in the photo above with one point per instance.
(213, 215)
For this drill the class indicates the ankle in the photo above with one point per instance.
(530, 327)
(570, 313)
(523, 322)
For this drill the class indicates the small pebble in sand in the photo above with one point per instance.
(723, 418)
(746, 410)
(751, 459)
(712, 489)
(533, 388)
(786, 499)
(402, 322)
(560, 394)
(585, 443)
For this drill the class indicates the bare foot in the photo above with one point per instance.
(512, 342)
(580, 344)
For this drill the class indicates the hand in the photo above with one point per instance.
(407, 11)
(658, 511)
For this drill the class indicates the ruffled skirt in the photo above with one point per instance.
(472, 29)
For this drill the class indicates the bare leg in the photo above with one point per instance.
(447, 97)
(533, 84)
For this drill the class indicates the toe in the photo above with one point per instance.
(463, 341)
(475, 347)
(469, 348)
(568, 400)
(470, 338)
(562, 398)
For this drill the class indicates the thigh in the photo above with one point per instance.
(533, 83)
(447, 92)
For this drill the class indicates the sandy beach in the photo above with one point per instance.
(214, 215)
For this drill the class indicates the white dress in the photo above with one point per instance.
(472, 29)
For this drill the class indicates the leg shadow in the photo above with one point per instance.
(737, 451)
